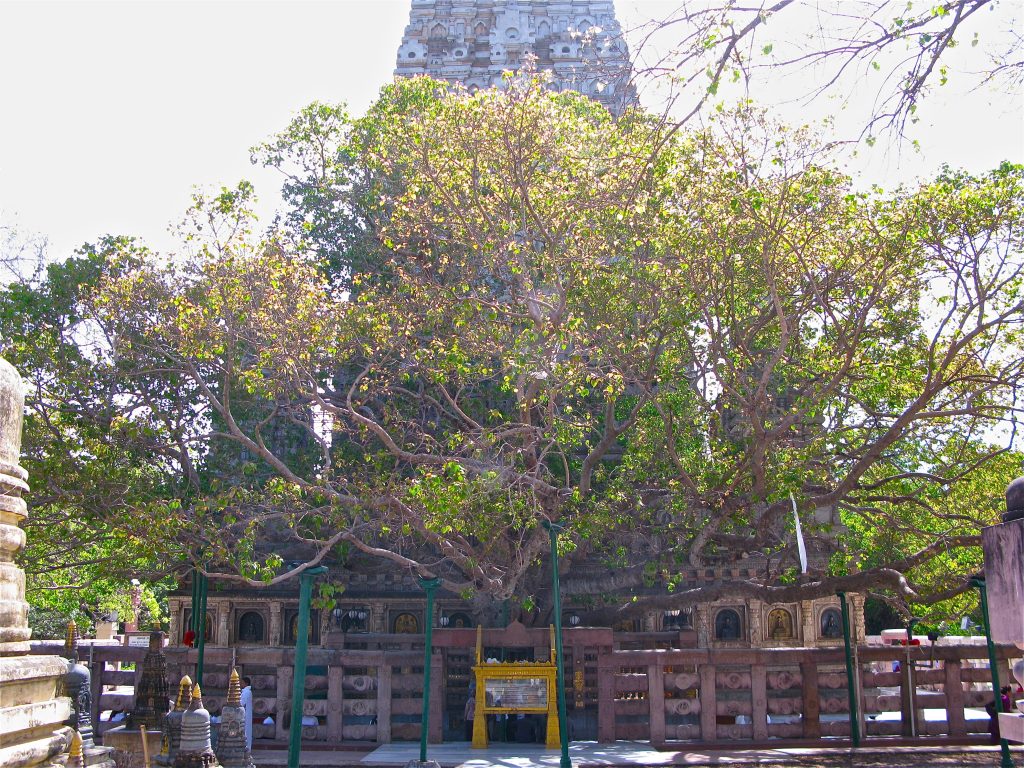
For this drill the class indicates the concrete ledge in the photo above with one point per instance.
(26, 717)
(20, 668)
(1011, 726)
(36, 751)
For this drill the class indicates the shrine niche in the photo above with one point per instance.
(728, 625)
(251, 628)
(831, 624)
(292, 623)
(207, 629)
(627, 625)
(459, 620)
(406, 624)
(780, 625)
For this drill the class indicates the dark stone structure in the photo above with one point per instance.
(1014, 501)
(78, 683)
(151, 698)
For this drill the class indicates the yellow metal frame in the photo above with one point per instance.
(510, 671)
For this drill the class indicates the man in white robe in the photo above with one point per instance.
(246, 700)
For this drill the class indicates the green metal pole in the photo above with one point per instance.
(851, 680)
(553, 530)
(201, 630)
(429, 586)
(299, 678)
(1004, 746)
(194, 618)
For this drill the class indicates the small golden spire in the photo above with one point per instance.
(234, 690)
(75, 754)
(71, 637)
(197, 696)
(184, 694)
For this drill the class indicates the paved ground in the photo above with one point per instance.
(639, 755)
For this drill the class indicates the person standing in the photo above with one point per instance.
(246, 701)
(470, 710)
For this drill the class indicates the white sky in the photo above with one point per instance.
(111, 112)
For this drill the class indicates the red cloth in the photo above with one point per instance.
(190, 638)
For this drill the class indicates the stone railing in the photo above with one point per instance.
(371, 690)
(724, 695)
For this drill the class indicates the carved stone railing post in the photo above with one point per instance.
(606, 699)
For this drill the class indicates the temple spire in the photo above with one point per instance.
(473, 42)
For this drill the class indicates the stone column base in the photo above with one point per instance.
(32, 714)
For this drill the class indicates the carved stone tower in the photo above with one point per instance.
(32, 711)
(473, 42)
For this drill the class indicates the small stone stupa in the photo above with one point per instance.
(78, 683)
(194, 750)
(231, 748)
(171, 741)
(151, 698)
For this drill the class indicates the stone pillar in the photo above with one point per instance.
(754, 609)
(701, 619)
(325, 626)
(275, 622)
(14, 632)
(34, 713)
(857, 618)
(806, 618)
(175, 633)
(377, 621)
(223, 613)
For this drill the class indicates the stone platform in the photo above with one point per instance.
(888, 754)
(627, 754)
(32, 713)
(129, 742)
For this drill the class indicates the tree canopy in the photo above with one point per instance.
(486, 311)
(894, 52)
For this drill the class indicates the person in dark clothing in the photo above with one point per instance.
(470, 712)
(993, 713)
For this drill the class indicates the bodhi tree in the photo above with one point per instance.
(93, 460)
(664, 341)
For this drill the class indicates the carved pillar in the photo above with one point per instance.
(32, 723)
(325, 625)
(174, 608)
(755, 608)
(702, 623)
(806, 619)
(223, 630)
(378, 617)
(275, 622)
(857, 617)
